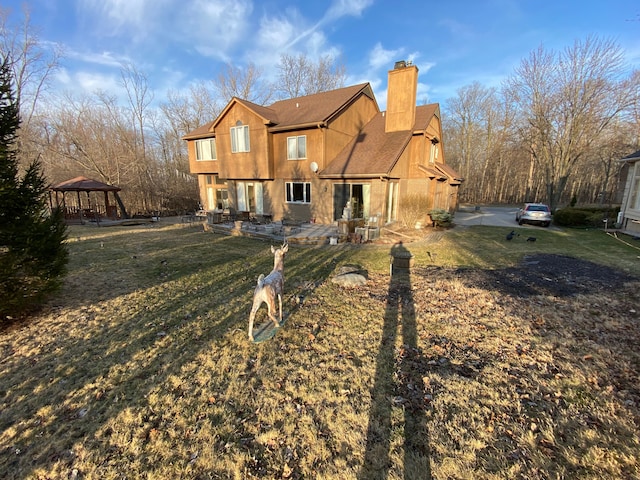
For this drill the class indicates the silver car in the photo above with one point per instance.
(535, 213)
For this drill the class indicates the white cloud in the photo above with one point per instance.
(215, 28)
(342, 8)
(422, 95)
(107, 59)
(287, 33)
(92, 82)
(310, 36)
(88, 83)
(275, 32)
(113, 16)
(381, 58)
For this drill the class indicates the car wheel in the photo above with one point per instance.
(547, 224)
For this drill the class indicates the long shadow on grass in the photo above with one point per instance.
(400, 312)
(77, 380)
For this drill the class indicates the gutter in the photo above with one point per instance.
(297, 126)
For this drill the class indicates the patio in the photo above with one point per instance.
(302, 234)
(353, 231)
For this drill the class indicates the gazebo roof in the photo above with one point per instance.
(84, 184)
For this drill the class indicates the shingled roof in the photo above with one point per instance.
(294, 112)
(374, 152)
(371, 153)
(84, 184)
(317, 108)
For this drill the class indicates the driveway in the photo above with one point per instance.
(487, 216)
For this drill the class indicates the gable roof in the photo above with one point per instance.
(317, 108)
(633, 157)
(294, 112)
(454, 177)
(374, 152)
(84, 184)
(200, 132)
(424, 114)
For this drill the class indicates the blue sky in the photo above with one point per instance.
(453, 42)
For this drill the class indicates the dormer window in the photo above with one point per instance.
(206, 149)
(239, 138)
(297, 147)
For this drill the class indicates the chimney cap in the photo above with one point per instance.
(400, 64)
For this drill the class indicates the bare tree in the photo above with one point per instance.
(182, 113)
(188, 111)
(31, 63)
(247, 84)
(136, 85)
(567, 100)
(479, 129)
(300, 76)
(467, 117)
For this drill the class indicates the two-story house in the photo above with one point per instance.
(311, 157)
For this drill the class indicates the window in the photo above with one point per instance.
(206, 149)
(296, 147)
(298, 192)
(215, 179)
(434, 152)
(355, 196)
(240, 138)
(249, 197)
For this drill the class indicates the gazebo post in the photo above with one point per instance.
(106, 204)
(80, 208)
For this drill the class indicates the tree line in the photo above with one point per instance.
(135, 143)
(552, 132)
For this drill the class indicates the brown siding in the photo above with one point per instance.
(297, 169)
(211, 166)
(378, 198)
(254, 164)
(349, 123)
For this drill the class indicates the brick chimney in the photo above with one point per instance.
(402, 90)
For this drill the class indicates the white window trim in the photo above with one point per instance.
(297, 148)
(201, 155)
(433, 153)
(240, 139)
(306, 192)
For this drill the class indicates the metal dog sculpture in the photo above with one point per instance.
(269, 288)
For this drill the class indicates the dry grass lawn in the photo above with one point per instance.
(491, 360)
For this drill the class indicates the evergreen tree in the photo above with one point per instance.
(33, 253)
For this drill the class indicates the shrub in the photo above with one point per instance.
(441, 218)
(413, 209)
(570, 217)
(33, 253)
(585, 216)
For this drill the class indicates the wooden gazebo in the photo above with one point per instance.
(94, 208)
